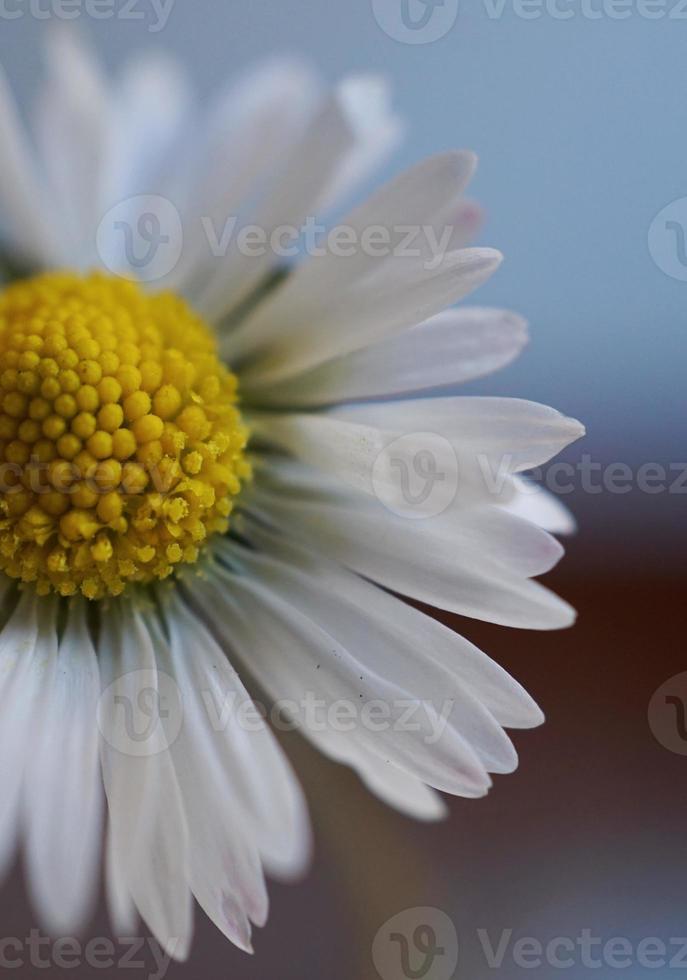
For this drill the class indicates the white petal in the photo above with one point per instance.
(64, 792)
(466, 221)
(75, 128)
(510, 433)
(379, 130)
(149, 106)
(300, 190)
(534, 503)
(149, 833)
(378, 308)
(469, 667)
(452, 348)
(224, 873)
(121, 906)
(153, 99)
(470, 532)
(256, 773)
(25, 646)
(394, 786)
(377, 643)
(460, 567)
(23, 198)
(410, 200)
(415, 196)
(291, 655)
(237, 149)
(400, 791)
(488, 440)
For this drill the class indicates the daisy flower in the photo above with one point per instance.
(230, 460)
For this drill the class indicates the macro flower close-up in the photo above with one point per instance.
(341, 489)
(199, 481)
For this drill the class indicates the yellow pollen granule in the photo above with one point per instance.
(121, 443)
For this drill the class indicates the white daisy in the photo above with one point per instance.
(146, 548)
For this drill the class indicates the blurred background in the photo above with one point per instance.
(575, 108)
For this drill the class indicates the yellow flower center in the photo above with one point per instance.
(121, 444)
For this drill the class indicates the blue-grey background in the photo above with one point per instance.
(579, 125)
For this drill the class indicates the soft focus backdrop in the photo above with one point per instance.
(579, 124)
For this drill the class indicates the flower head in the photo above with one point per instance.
(122, 427)
(213, 454)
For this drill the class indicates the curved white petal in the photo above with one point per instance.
(465, 220)
(121, 906)
(224, 870)
(257, 777)
(472, 532)
(430, 641)
(376, 309)
(292, 656)
(413, 197)
(399, 790)
(320, 160)
(152, 101)
(368, 99)
(461, 567)
(26, 212)
(378, 644)
(26, 643)
(512, 433)
(537, 504)
(492, 438)
(327, 283)
(390, 783)
(75, 131)
(150, 104)
(380, 307)
(449, 349)
(236, 150)
(64, 791)
(149, 835)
